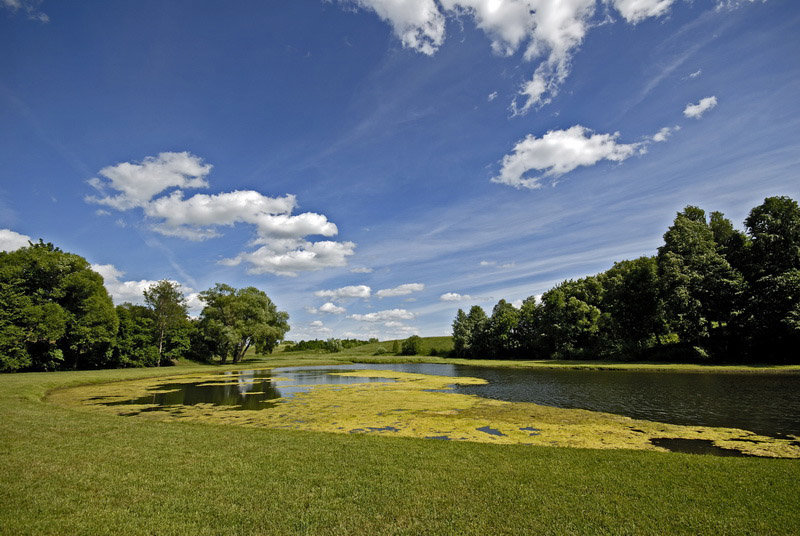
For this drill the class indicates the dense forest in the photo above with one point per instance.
(710, 293)
(56, 314)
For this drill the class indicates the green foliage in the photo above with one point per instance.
(329, 345)
(412, 345)
(56, 313)
(169, 314)
(396, 348)
(234, 320)
(712, 292)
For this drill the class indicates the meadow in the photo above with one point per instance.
(68, 470)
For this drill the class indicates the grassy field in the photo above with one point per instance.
(66, 470)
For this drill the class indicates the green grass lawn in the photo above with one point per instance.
(67, 470)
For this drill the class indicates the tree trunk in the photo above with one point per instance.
(160, 346)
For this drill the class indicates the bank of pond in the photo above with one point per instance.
(744, 414)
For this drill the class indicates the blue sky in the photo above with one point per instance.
(374, 165)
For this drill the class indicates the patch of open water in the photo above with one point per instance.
(767, 404)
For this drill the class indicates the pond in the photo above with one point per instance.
(767, 404)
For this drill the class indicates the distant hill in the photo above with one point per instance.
(440, 344)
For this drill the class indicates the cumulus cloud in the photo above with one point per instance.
(547, 31)
(353, 291)
(289, 258)
(137, 183)
(328, 308)
(635, 11)
(318, 327)
(696, 111)
(384, 316)
(12, 240)
(417, 23)
(285, 248)
(401, 290)
(455, 297)
(559, 152)
(133, 291)
(695, 74)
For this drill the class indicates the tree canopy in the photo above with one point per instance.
(234, 320)
(711, 292)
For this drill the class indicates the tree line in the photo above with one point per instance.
(56, 314)
(711, 292)
(331, 345)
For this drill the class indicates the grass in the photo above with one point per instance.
(66, 470)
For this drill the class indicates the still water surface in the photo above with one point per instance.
(763, 403)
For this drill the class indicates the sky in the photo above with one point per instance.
(375, 165)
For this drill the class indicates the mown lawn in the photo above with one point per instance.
(70, 471)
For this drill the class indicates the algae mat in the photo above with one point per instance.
(416, 405)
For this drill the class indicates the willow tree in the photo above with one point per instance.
(234, 320)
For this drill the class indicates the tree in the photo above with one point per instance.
(55, 311)
(396, 347)
(699, 287)
(501, 330)
(632, 300)
(771, 320)
(412, 345)
(775, 230)
(234, 320)
(135, 346)
(168, 307)
(461, 334)
(479, 344)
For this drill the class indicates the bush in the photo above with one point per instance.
(380, 350)
(412, 345)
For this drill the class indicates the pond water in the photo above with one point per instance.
(767, 404)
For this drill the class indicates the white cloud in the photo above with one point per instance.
(417, 23)
(12, 241)
(139, 182)
(293, 256)
(559, 152)
(488, 263)
(695, 74)
(455, 297)
(492, 96)
(548, 31)
(354, 291)
(133, 291)
(401, 290)
(384, 316)
(30, 7)
(508, 265)
(328, 308)
(284, 250)
(635, 11)
(319, 328)
(663, 134)
(696, 111)
(361, 270)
